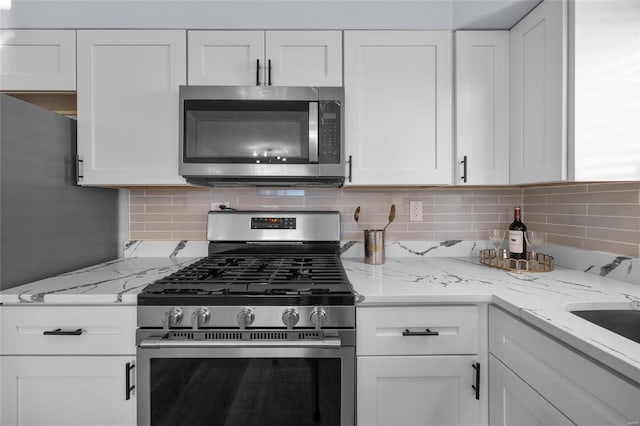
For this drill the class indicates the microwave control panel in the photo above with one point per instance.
(329, 133)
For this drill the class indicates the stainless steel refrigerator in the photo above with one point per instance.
(48, 224)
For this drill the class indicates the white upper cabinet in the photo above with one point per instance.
(38, 60)
(398, 128)
(280, 58)
(538, 101)
(225, 57)
(482, 107)
(128, 106)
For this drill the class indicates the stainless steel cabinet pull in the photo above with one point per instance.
(426, 332)
(128, 368)
(464, 169)
(269, 70)
(350, 163)
(61, 332)
(476, 386)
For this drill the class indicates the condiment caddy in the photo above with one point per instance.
(500, 259)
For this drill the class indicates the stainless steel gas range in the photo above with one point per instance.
(260, 332)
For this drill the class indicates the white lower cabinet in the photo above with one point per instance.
(417, 390)
(514, 403)
(421, 365)
(67, 390)
(535, 379)
(67, 365)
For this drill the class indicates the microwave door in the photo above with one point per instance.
(313, 132)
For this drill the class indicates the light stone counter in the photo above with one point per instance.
(118, 281)
(542, 299)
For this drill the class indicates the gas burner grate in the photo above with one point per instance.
(309, 270)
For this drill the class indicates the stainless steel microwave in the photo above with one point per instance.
(262, 135)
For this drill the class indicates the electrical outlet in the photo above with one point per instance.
(415, 211)
(216, 205)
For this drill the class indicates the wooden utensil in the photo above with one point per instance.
(392, 215)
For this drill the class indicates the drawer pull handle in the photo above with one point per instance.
(61, 332)
(426, 332)
(127, 375)
(476, 387)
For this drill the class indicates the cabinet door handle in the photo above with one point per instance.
(61, 332)
(257, 72)
(464, 169)
(426, 332)
(476, 386)
(128, 368)
(79, 168)
(269, 71)
(350, 165)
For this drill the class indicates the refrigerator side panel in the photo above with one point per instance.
(48, 224)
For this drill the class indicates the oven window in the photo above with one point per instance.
(245, 391)
(246, 131)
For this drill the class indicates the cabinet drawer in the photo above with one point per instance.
(106, 330)
(396, 330)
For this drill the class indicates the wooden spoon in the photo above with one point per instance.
(392, 215)
(356, 216)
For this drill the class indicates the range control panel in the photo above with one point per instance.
(273, 223)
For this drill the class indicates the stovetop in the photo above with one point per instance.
(257, 258)
(267, 279)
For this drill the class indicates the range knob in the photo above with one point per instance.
(290, 317)
(245, 318)
(318, 317)
(171, 318)
(200, 317)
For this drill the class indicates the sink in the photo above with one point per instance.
(624, 322)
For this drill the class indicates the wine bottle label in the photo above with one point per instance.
(515, 242)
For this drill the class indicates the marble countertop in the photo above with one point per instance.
(543, 300)
(118, 281)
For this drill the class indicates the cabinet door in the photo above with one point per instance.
(415, 390)
(304, 58)
(398, 107)
(70, 391)
(128, 106)
(38, 60)
(538, 97)
(584, 391)
(514, 403)
(226, 58)
(482, 107)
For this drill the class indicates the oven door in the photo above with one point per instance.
(245, 383)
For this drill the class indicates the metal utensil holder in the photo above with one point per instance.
(374, 246)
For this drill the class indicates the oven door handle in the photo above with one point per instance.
(331, 342)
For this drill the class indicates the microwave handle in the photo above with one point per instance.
(313, 132)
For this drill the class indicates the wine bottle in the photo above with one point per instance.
(517, 246)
